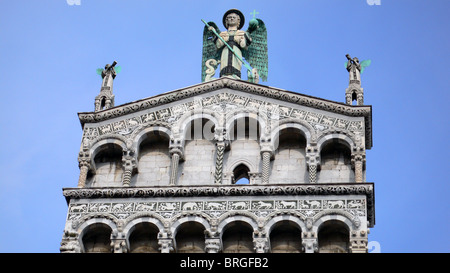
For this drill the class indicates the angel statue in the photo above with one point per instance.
(356, 68)
(231, 47)
(108, 74)
(105, 99)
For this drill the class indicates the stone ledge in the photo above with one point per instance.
(366, 189)
(221, 190)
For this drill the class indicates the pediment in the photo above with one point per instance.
(168, 108)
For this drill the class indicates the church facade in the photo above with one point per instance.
(224, 166)
(162, 174)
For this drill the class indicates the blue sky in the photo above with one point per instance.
(49, 51)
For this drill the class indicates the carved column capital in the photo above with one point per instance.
(69, 243)
(84, 163)
(358, 241)
(309, 242)
(260, 242)
(312, 155)
(176, 147)
(118, 243)
(165, 242)
(129, 164)
(212, 245)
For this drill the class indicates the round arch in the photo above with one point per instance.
(86, 226)
(333, 233)
(268, 227)
(187, 118)
(103, 144)
(305, 129)
(238, 114)
(190, 218)
(230, 217)
(141, 224)
(340, 138)
(340, 216)
(142, 132)
(129, 227)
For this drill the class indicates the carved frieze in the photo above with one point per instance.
(262, 207)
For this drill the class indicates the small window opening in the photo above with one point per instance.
(354, 99)
(103, 103)
(240, 175)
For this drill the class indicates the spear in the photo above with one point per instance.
(229, 47)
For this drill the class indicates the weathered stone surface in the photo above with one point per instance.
(171, 162)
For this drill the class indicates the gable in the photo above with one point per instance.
(230, 95)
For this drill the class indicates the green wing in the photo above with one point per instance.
(209, 48)
(99, 71)
(256, 54)
(117, 69)
(365, 64)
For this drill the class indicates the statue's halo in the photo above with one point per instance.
(239, 13)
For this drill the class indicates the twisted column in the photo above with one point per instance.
(358, 160)
(312, 168)
(126, 180)
(220, 151)
(265, 166)
(312, 161)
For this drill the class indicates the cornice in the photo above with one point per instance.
(366, 189)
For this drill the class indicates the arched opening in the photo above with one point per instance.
(286, 237)
(108, 167)
(199, 152)
(238, 238)
(97, 239)
(335, 164)
(190, 238)
(200, 129)
(289, 163)
(334, 237)
(143, 238)
(240, 175)
(354, 97)
(153, 160)
(244, 134)
(245, 128)
(103, 103)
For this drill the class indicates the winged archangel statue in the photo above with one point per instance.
(356, 68)
(229, 48)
